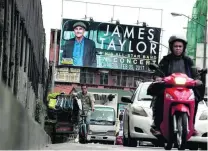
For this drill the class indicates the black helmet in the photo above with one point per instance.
(173, 39)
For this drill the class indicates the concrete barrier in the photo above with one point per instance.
(18, 129)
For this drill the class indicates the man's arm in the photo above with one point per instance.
(193, 68)
(64, 51)
(162, 66)
(92, 99)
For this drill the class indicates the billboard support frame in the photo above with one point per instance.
(113, 6)
(54, 60)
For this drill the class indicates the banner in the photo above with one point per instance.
(108, 45)
(67, 75)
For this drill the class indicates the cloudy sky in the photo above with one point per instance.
(52, 12)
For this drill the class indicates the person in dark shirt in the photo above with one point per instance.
(175, 62)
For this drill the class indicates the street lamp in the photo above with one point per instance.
(205, 34)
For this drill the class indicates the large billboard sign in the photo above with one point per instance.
(108, 45)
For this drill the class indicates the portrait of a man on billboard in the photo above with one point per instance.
(79, 51)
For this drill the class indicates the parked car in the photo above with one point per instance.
(138, 119)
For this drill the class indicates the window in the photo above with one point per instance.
(121, 80)
(135, 79)
(124, 81)
(118, 82)
(104, 78)
(102, 116)
(87, 77)
(130, 82)
(143, 92)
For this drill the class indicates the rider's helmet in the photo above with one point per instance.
(174, 38)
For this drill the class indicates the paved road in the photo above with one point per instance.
(77, 146)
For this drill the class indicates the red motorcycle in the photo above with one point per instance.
(178, 113)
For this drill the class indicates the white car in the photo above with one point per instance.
(138, 118)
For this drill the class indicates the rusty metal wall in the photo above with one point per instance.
(23, 65)
(31, 13)
(22, 42)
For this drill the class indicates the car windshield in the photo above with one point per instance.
(142, 95)
(103, 116)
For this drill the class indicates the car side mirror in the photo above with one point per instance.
(126, 99)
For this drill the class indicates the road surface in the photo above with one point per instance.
(77, 146)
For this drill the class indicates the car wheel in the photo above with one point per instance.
(192, 146)
(132, 142)
(204, 147)
(125, 141)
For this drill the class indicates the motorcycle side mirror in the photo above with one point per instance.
(153, 66)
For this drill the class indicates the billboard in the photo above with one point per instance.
(108, 45)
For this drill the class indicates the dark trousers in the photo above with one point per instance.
(157, 109)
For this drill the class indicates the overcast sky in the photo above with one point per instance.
(52, 10)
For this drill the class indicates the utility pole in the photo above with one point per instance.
(54, 61)
(205, 45)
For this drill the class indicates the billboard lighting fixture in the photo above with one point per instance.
(117, 22)
(144, 24)
(91, 19)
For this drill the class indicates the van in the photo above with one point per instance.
(102, 125)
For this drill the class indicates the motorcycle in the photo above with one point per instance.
(178, 113)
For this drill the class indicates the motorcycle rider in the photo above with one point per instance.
(87, 100)
(175, 62)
